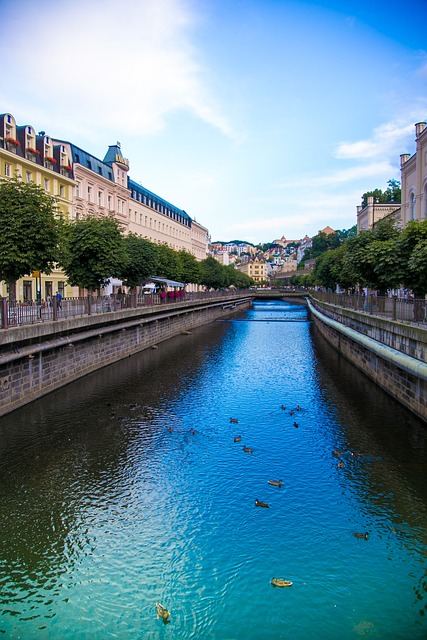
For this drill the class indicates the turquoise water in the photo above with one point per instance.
(127, 488)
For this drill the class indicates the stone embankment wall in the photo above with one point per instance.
(393, 354)
(37, 359)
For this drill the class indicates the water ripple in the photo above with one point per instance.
(128, 489)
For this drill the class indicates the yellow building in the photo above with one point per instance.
(35, 158)
(85, 185)
(255, 269)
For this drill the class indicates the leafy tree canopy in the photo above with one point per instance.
(189, 268)
(237, 278)
(325, 242)
(321, 243)
(29, 230)
(141, 260)
(366, 251)
(168, 264)
(391, 194)
(213, 273)
(328, 270)
(93, 251)
(382, 258)
(411, 246)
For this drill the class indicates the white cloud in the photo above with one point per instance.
(354, 173)
(386, 140)
(126, 64)
(340, 176)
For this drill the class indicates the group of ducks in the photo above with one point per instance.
(337, 454)
(276, 582)
(291, 413)
(163, 612)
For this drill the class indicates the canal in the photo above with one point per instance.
(127, 488)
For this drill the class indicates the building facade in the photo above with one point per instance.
(413, 180)
(35, 157)
(413, 170)
(157, 220)
(255, 268)
(199, 240)
(84, 185)
(367, 217)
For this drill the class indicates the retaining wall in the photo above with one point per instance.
(393, 354)
(37, 359)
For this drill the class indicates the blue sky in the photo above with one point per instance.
(258, 118)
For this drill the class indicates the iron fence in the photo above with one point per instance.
(403, 309)
(23, 313)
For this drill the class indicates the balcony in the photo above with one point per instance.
(11, 144)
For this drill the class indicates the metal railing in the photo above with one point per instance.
(24, 313)
(403, 309)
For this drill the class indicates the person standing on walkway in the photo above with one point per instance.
(58, 300)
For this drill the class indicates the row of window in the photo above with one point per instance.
(157, 206)
(100, 199)
(157, 225)
(30, 296)
(29, 178)
(90, 165)
(90, 194)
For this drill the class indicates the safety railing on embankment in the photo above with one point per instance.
(413, 310)
(24, 313)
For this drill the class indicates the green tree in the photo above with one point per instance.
(168, 264)
(370, 258)
(417, 265)
(237, 278)
(321, 243)
(141, 260)
(328, 270)
(346, 234)
(391, 194)
(412, 249)
(29, 231)
(189, 268)
(213, 274)
(92, 252)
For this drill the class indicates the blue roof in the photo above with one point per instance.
(138, 192)
(88, 160)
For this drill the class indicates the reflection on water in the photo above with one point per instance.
(126, 488)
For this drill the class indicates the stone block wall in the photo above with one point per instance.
(409, 390)
(37, 362)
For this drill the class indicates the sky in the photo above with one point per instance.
(259, 118)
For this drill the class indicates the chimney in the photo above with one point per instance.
(404, 157)
(419, 128)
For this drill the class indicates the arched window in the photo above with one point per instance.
(412, 206)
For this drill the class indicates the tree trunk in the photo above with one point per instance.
(12, 291)
(419, 310)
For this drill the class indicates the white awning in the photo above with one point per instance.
(167, 283)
